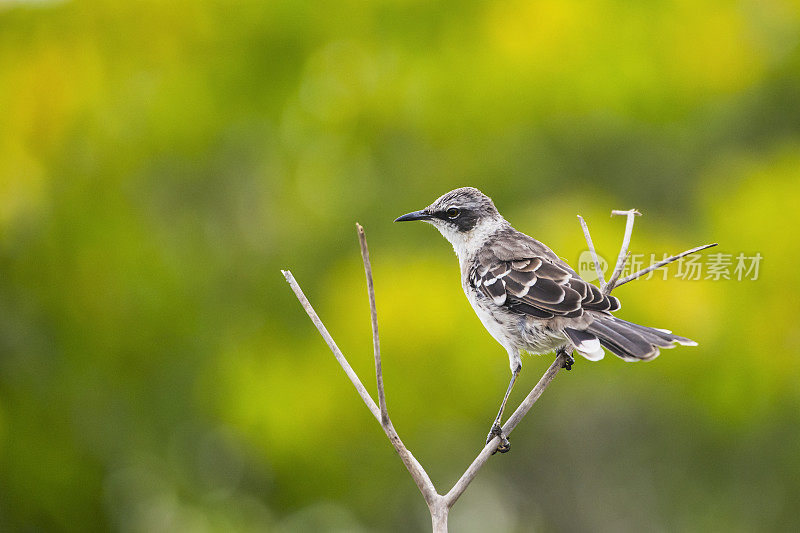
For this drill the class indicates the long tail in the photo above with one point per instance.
(626, 340)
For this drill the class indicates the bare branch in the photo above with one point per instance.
(624, 254)
(595, 259)
(419, 475)
(439, 505)
(439, 514)
(416, 470)
(332, 345)
(376, 343)
(667, 261)
(612, 283)
(623, 251)
(512, 422)
(625, 212)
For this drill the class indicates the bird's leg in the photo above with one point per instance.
(568, 359)
(497, 430)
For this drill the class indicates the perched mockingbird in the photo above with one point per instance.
(528, 298)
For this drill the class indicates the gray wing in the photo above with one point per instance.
(526, 277)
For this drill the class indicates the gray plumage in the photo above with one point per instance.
(528, 298)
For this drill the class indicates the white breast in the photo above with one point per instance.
(499, 324)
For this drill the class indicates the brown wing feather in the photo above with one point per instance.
(537, 283)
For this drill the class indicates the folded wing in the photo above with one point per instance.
(538, 287)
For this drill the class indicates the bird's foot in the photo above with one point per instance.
(568, 359)
(497, 431)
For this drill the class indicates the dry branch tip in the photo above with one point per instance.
(623, 212)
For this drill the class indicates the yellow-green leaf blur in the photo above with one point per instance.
(160, 162)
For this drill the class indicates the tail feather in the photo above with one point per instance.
(585, 344)
(623, 342)
(624, 339)
(664, 334)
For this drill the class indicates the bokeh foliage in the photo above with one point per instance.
(160, 161)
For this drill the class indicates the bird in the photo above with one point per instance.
(527, 297)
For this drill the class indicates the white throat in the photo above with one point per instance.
(467, 243)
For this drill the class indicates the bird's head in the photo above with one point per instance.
(462, 216)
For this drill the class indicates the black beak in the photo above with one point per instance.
(416, 215)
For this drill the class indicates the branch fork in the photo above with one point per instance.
(439, 505)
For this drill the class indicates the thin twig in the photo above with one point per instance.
(623, 251)
(376, 343)
(612, 283)
(595, 259)
(418, 474)
(667, 261)
(421, 478)
(625, 212)
(512, 422)
(332, 345)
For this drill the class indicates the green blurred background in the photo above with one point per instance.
(161, 161)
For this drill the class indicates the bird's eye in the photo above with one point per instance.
(453, 212)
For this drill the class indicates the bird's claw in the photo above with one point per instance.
(568, 360)
(497, 431)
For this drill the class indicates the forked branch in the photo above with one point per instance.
(623, 256)
(439, 505)
(418, 473)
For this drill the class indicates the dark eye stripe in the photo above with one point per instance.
(464, 221)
